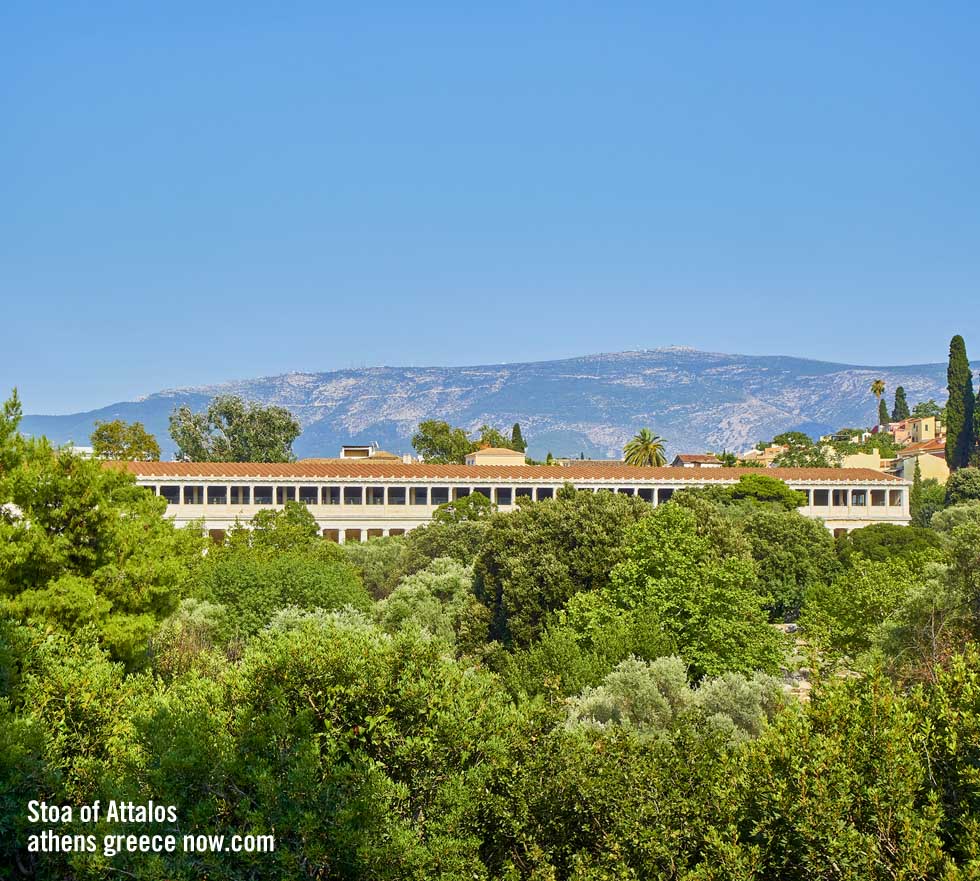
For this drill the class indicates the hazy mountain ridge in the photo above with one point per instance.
(592, 404)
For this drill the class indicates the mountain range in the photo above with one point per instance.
(587, 405)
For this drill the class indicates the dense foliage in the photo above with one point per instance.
(586, 688)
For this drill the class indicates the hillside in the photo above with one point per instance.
(592, 404)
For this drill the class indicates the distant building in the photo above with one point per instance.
(696, 460)
(914, 430)
(495, 456)
(358, 498)
(930, 456)
(764, 457)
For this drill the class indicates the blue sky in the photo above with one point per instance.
(197, 192)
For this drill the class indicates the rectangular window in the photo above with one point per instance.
(461, 492)
(806, 493)
(877, 498)
(375, 533)
(352, 535)
(821, 498)
(150, 489)
(545, 492)
(330, 495)
(484, 491)
(524, 492)
(859, 497)
(440, 495)
(285, 494)
(217, 495)
(171, 494)
(397, 495)
(665, 495)
(240, 495)
(396, 532)
(375, 495)
(625, 490)
(645, 494)
(505, 495)
(331, 534)
(840, 498)
(308, 495)
(263, 495)
(354, 495)
(193, 495)
(418, 495)
(895, 498)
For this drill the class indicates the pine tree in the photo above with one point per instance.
(517, 441)
(960, 407)
(901, 410)
(915, 497)
(883, 412)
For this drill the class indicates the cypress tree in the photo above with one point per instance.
(915, 497)
(901, 410)
(882, 412)
(517, 439)
(960, 407)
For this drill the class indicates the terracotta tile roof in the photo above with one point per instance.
(700, 458)
(366, 469)
(929, 446)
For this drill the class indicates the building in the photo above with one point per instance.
(857, 460)
(359, 499)
(764, 457)
(495, 456)
(696, 460)
(930, 456)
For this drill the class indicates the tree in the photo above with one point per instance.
(878, 390)
(439, 443)
(762, 488)
(792, 554)
(124, 441)
(959, 407)
(645, 449)
(231, 430)
(475, 506)
(81, 546)
(883, 418)
(11, 443)
(963, 486)
(440, 601)
(706, 604)
(652, 696)
(517, 441)
(924, 409)
(901, 408)
(534, 559)
(802, 452)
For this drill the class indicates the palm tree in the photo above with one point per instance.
(878, 390)
(645, 449)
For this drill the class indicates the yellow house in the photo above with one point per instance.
(924, 429)
(495, 456)
(931, 457)
(858, 460)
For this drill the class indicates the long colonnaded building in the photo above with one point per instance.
(357, 499)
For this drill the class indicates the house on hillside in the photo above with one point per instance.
(930, 456)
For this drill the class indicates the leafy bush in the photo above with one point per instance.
(651, 697)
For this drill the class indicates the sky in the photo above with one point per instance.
(197, 192)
